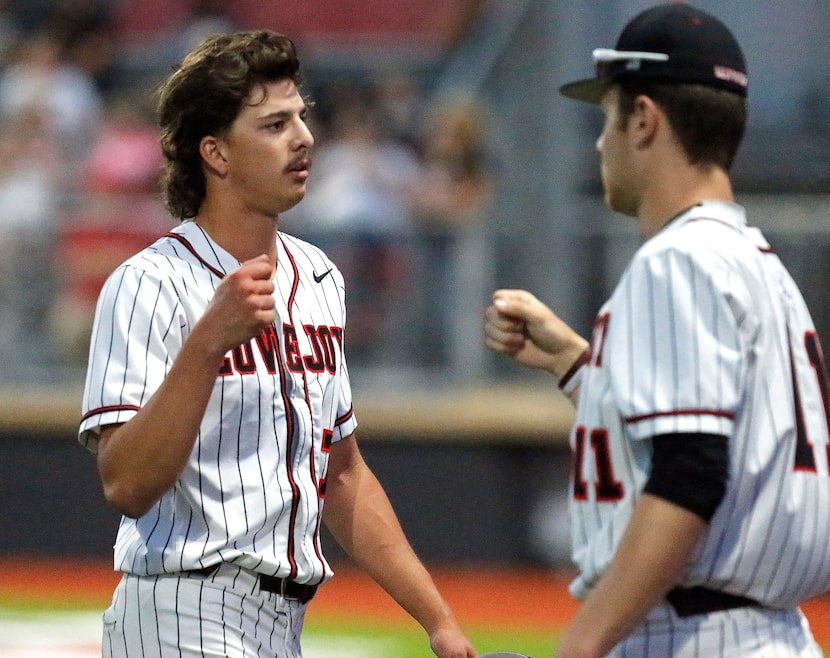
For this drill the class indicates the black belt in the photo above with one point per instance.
(286, 588)
(688, 601)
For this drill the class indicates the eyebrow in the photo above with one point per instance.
(282, 114)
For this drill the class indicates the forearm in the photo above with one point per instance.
(142, 459)
(642, 572)
(361, 519)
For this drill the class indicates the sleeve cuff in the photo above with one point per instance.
(572, 379)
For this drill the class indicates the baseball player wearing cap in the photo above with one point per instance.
(700, 490)
(217, 396)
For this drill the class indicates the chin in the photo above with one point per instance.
(619, 203)
(288, 203)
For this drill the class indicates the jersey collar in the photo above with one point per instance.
(722, 211)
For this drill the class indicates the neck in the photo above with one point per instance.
(680, 192)
(242, 235)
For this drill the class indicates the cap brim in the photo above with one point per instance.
(590, 91)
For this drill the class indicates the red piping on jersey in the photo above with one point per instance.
(295, 503)
(114, 407)
(193, 251)
(346, 416)
(316, 539)
(681, 412)
(290, 429)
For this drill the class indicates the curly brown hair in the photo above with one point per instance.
(204, 95)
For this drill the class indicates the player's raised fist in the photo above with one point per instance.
(520, 326)
(243, 304)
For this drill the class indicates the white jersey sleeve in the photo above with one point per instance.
(675, 361)
(137, 333)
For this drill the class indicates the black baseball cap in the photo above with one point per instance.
(673, 42)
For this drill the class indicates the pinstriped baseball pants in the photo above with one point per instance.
(189, 615)
(741, 632)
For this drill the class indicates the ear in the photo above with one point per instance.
(644, 123)
(211, 150)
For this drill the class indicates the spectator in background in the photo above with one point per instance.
(154, 38)
(31, 197)
(66, 96)
(31, 174)
(455, 188)
(125, 157)
(50, 106)
(358, 207)
(363, 174)
(90, 39)
(84, 32)
(451, 199)
(402, 208)
(118, 179)
(9, 31)
(401, 103)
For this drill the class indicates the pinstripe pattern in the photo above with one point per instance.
(250, 494)
(707, 332)
(745, 632)
(223, 615)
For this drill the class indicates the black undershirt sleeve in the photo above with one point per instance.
(690, 470)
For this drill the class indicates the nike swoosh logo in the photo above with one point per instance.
(319, 277)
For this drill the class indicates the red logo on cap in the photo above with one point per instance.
(731, 75)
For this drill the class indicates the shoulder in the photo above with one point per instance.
(712, 235)
(164, 262)
(704, 258)
(159, 258)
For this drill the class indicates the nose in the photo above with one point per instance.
(304, 138)
(600, 141)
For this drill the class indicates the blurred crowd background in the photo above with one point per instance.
(446, 164)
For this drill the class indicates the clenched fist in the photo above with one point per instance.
(243, 304)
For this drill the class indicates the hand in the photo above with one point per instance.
(243, 304)
(520, 326)
(450, 642)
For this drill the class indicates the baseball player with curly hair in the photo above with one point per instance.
(700, 491)
(217, 396)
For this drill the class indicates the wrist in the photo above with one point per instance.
(442, 620)
(570, 379)
(202, 346)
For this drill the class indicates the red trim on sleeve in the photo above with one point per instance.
(581, 361)
(114, 407)
(681, 412)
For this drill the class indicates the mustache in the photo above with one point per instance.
(300, 162)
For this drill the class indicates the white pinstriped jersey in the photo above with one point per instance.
(252, 492)
(707, 333)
